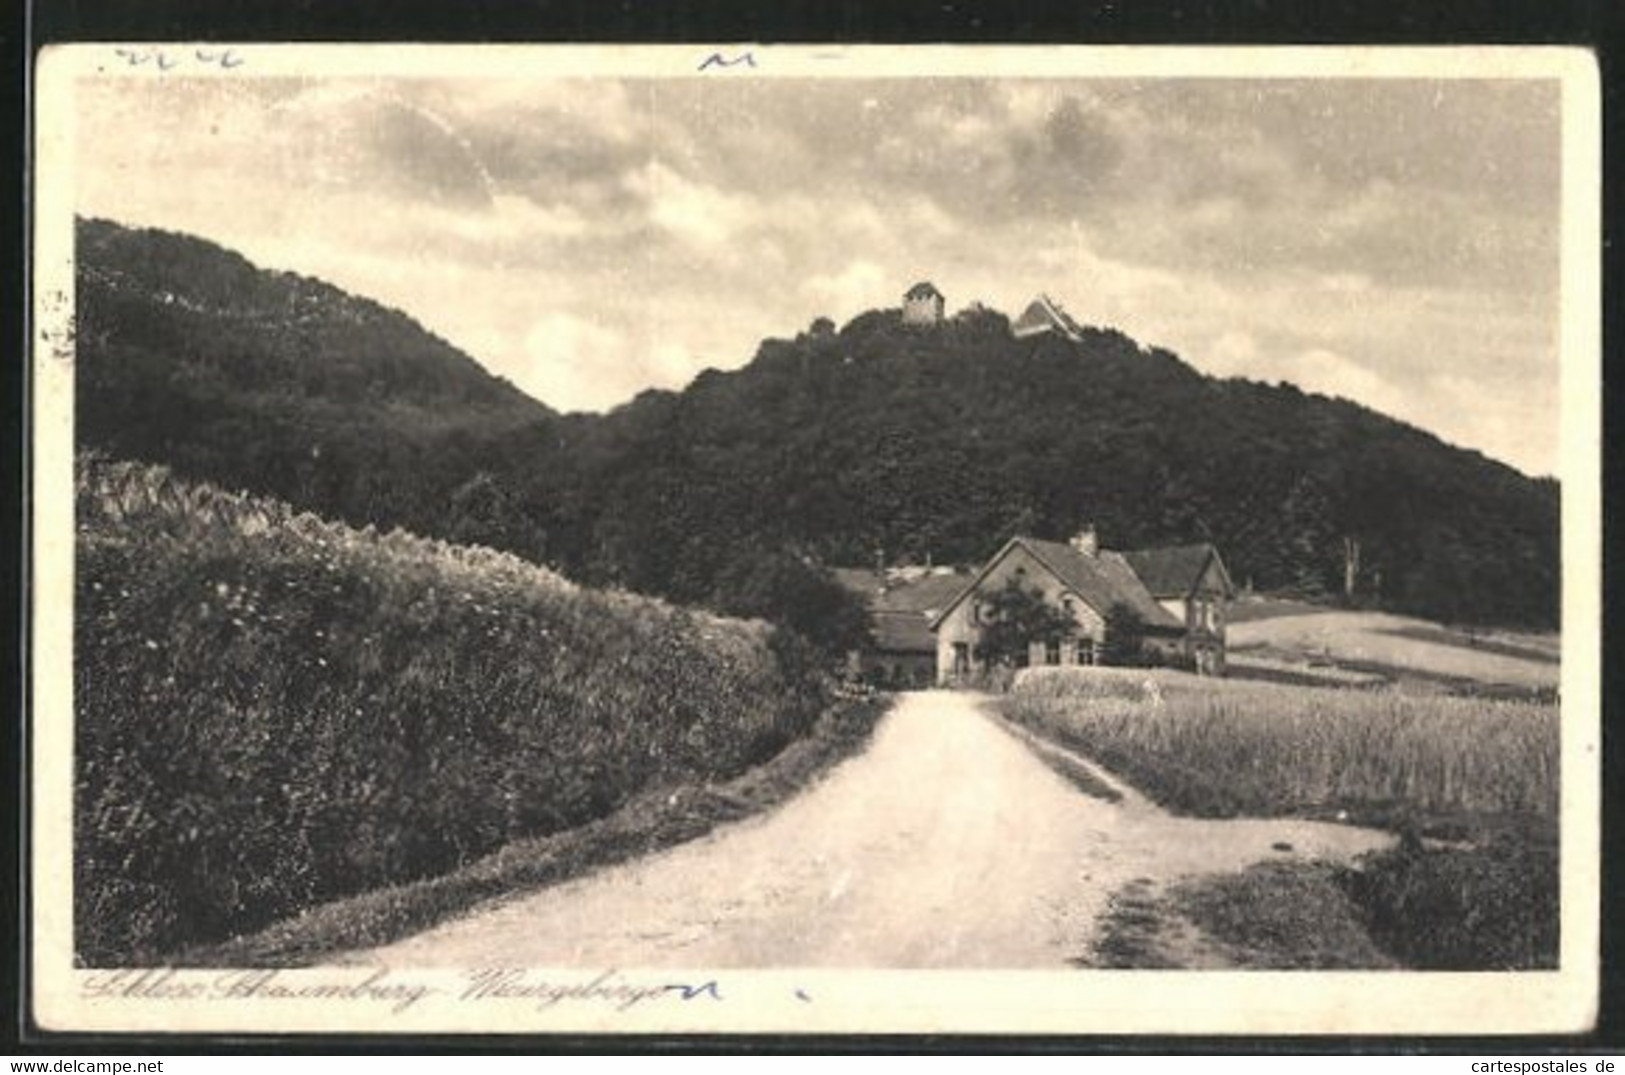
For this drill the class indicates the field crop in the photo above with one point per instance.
(1219, 748)
(273, 711)
(1481, 776)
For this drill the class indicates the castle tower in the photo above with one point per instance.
(923, 304)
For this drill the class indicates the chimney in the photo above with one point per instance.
(1085, 541)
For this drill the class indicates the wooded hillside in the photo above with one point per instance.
(829, 448)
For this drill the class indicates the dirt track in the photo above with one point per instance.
(946, 844)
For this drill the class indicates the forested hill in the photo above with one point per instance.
(880, 438)
(189, 355)
(939, 443)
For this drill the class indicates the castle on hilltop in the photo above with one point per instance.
(1042, 315)
(923, 305)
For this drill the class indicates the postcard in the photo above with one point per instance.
(812, 539)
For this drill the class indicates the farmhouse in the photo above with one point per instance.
(1191, 583)
(923, 304)
(1084, 582)
(1043, 315)
(902, 603)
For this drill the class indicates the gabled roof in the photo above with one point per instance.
(900, 609)
(1100, 581)
(863, 581)
(925, 289)
(925, 594)
(1044, 314)
(902, 632)
(1175, 570)
(898, 592)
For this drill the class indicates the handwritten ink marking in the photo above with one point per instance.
(803, 996)
(141, 57)
(717, 59)
(164, 60)
(690, 992)
(227, 59)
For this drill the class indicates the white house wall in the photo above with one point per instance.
(959, 625)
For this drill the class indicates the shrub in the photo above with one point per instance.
(273, 710)
(1494, 906)
(1124, 644)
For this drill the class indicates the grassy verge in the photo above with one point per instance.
(1062, 763)
(1274, 916)
(652, 821)
(1469, 784)
(1486, 906)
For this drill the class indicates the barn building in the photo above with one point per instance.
(923, 304)
(1192, 584)
(902, 603)
(1084, 581)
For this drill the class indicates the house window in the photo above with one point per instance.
(961, 658)
(1052, 651)
(1086, 651)
(1069, 606)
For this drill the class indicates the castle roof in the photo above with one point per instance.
(1044, 314)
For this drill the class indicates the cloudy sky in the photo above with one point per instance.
(1394, 242)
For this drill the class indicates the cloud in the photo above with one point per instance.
(575, 363)
(691, 212)
(851, 290)
(1329, 373)
(1395, 242)
(1234, 353)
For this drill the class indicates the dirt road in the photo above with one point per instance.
(946, 844)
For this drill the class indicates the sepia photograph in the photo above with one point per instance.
(797, 539)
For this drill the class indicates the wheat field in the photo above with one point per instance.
(1221, 747)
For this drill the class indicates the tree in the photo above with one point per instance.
(1124, 644)
(788, 591)
(1351, 566)
(482, 511)
(1014, 618)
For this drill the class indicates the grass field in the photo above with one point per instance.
(273, 711)
(1334, 644)
(1472, 785)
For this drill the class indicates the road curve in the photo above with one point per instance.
(945, 844)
